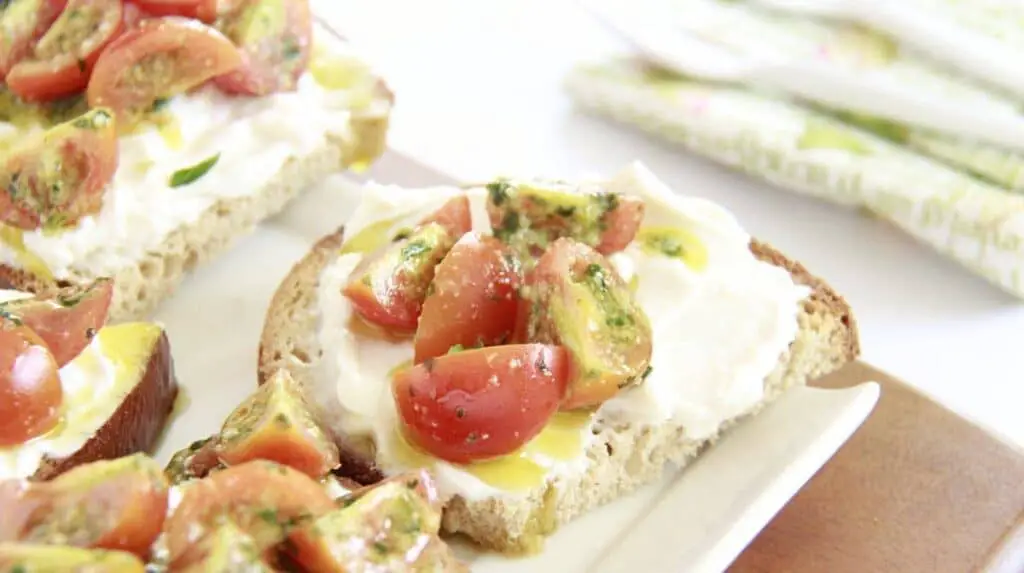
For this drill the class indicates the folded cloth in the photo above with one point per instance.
(962, 198)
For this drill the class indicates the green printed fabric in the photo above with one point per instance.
(964, 199)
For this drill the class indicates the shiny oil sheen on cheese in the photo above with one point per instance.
(252, 139)
(94, 383)
(721, 319)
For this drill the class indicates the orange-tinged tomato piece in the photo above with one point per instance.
(454, 215)
(68, 322)
(473, 298)
(263, 498)
(63, 57)
(198, 9)
(227, 549)
(387, 288)
(30, 390)
(275, 424)
(481, 403)
(56, 178)
(22, 22)
(397, 520)
(118, 504)
(580, 302)
(532, 214)
(158, 58)
(275, 37)
(39, 558)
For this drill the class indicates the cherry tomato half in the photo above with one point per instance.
(275, 38)
(261, 497)
(387, 288)
(23, 22)
(158, 58)
(58, 177)
(30, 390)
(481, 403)
(64, 56)
(579, 301)
(115, 504)
(473, 298)
(67, 323)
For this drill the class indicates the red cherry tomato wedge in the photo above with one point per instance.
(64, 56)
(58, 177)
(454, 216)
(118, 504)
(481, 403)
(263, 498)
(387, 288)
(30, 390)
(473, 298)
(158, 58)
(200, 9)
(67, 323)
(275, 38)
(621, 225)
(22, 22)
(580, 302)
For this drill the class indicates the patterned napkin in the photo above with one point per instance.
(963, 198)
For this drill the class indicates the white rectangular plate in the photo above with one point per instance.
(697, 520)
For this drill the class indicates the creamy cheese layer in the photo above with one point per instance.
(719, 329)
(253, 138)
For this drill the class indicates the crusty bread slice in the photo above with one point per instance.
(621, 460)
(139, 288)
(137, 423)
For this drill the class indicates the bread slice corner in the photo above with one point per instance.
(622, 458)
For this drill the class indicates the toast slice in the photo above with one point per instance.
(143, 284)
(118, 391)
(621, 459)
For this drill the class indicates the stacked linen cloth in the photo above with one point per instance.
(965, 199)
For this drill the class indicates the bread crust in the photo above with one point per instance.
(622, 459)
(138, 422)
(139, 288)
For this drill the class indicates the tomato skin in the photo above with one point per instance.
(30, 390)
(579, 301)
(275, 424)
(118, 504)
(474, 298)
(124, 79)
(621, 225)
(58, 177)
(240, 493)
(68, 324)
(531, 215)
(387, 288)
(17, 41)
(274, 58)
(55, 69)
(481, 403)
(202, 10)
(454, 215)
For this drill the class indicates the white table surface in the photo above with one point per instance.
(479, 93)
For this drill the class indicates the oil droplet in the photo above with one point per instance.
(370, 238)
(674, 242)
(31, 262)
